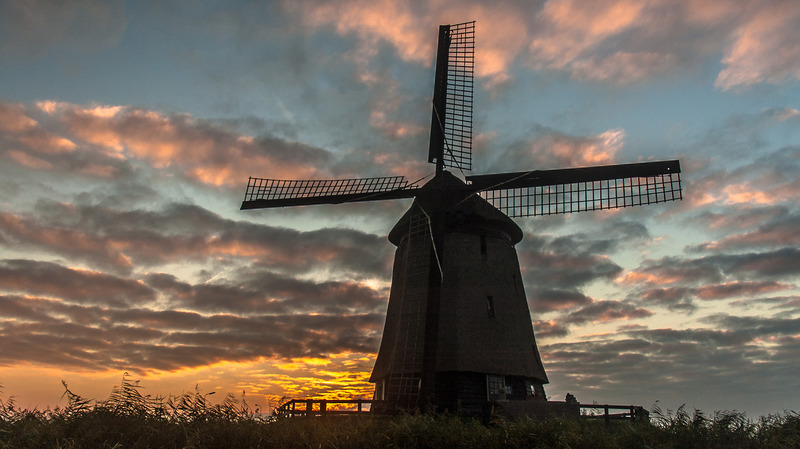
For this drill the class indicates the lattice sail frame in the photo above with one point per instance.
(586, 195)
(451, 123)
(458, 116)
(281, 189)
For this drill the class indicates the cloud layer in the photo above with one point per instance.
(127, 135)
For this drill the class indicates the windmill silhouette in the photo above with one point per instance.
(458, 331)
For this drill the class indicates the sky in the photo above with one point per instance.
(128, 131)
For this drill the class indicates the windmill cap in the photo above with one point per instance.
(464, 211)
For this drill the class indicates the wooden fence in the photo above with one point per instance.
(606, 412)
(325, 407)
(320, 407)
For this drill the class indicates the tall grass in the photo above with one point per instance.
(129, 419)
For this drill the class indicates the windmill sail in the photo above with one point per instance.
(451, 121)
(548, 192)
(266, 193)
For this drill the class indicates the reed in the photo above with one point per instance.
(129, 419)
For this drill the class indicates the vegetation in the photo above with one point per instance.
(130, 420)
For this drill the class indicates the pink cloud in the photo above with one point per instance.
(616, 41)
(411, 28)
(562, 150)
(174, 143)
(572, 28)
(13, 119)
(765, 46)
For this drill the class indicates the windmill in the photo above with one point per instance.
(458, 332)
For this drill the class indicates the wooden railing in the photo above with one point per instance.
(324, 407)
(319, 407)
(626, 412)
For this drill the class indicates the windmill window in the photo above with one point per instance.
(490, 306)
(483, 245)
(496, 386)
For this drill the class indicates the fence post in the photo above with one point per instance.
(608, 418)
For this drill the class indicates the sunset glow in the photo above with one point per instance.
(128, 132)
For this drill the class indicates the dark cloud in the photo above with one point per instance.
(683, 298)
(543, 301)
(549, 329)
(700, 367)
(736, 219)
(606, 239)
(45, 278)
(547, 268)
(260, 291)
(119, 240)
(773, 232)
(782, 263)
(605, 311)
(47, 331)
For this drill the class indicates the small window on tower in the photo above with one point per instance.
(490, 306)
(483, 245)
(496, 387)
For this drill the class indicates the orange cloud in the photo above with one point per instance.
(578, 151)
(639, 277)
(744, 193)
(178, 143)
(28, 160)
(14, 120)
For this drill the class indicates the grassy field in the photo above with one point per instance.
(129, 420)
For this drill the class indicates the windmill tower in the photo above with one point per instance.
(458, 330)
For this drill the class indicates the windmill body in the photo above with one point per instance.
(458, 318)
(458, 332)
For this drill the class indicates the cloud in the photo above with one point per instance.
(546, 148)
(81, 286)
(116, 141)
(765, 46)
(624, 41)
(261, 292)
(605, 311)
(778, 263)
(51, 332)
(552, 300)
(119, 240)
(38, 26)
(778, 232)
(681, 298)
(611, 41)
(549, 329)
(623, 67)
(195, 149)
(674, 363)
(411, 28)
